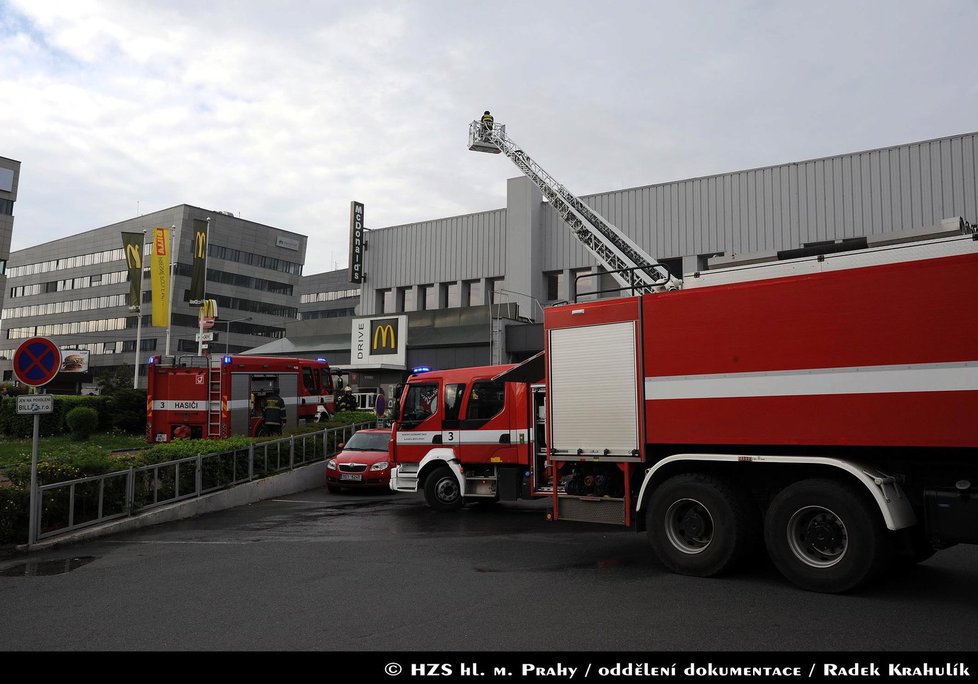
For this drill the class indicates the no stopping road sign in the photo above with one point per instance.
(36, 361)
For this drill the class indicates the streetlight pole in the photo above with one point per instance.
(227, 339)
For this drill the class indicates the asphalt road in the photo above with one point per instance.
(359, 572)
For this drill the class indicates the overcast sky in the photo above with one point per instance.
(282, 112)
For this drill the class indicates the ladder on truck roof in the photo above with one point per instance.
(623, 259)
(214, 398)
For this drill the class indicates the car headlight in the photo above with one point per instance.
(379, 466)
(330, 464)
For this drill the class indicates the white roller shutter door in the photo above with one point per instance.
(593, 389)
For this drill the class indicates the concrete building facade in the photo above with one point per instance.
(74, 290)
(9, 180)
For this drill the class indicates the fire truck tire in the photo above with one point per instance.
(826, 536)
(441, 490)
(701, 525)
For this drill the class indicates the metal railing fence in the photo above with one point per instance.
(70, 505)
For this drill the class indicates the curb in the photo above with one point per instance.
(296, 480)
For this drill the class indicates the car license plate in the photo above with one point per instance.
(350, 477)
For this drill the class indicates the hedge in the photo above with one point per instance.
(124, 410)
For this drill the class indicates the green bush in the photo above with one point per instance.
(128, 407)
(82, 421)
(15, 425)
(14, 506)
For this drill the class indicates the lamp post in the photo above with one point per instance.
(227, 339)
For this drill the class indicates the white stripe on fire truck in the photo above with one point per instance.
(450, 437)
(923, 377)
(179, 405)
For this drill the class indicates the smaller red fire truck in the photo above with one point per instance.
(197, 397)
(474, 444)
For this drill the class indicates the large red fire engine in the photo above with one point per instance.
(825, 406)
(215, 397)
(823, 403)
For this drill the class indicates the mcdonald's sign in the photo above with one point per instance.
(379, 341)
(198, 277)
(383, 336)
(132, 245)
(207, 313)
(357, 245)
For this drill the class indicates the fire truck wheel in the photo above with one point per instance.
(701, 525)
(826, 536)
(441, 490)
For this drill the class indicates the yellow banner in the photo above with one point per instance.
(159, 260)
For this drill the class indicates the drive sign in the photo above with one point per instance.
(36, 361)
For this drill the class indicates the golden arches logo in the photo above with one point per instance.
(200, 244)
(380, 335)
(209, 309)
(134, 256)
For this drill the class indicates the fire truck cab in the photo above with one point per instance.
(463, 434)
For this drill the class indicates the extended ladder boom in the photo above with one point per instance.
(621, 257)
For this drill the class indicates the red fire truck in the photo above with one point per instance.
(820, 401)
(824, 406)
(215, 397)
(463, 434)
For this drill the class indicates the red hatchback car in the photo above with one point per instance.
(362, 462)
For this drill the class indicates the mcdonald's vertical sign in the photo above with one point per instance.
(356, 242)
(132, 245)
(198, 278)
(159, 260)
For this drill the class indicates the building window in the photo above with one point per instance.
(426, 298)
(407, 299)
(494, 285)
(452, 295)
(476, 293)
(555, 285)
(388, 302)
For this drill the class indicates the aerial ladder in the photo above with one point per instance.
(625, 261)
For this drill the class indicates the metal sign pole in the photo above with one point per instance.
(174, 245)
(32, 521)
(139, 314)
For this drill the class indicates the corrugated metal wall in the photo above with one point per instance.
(451, 249)
(779, 207)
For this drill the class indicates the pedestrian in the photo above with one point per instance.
(4, 393)
(347, 402)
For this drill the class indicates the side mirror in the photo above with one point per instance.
(340, 445)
